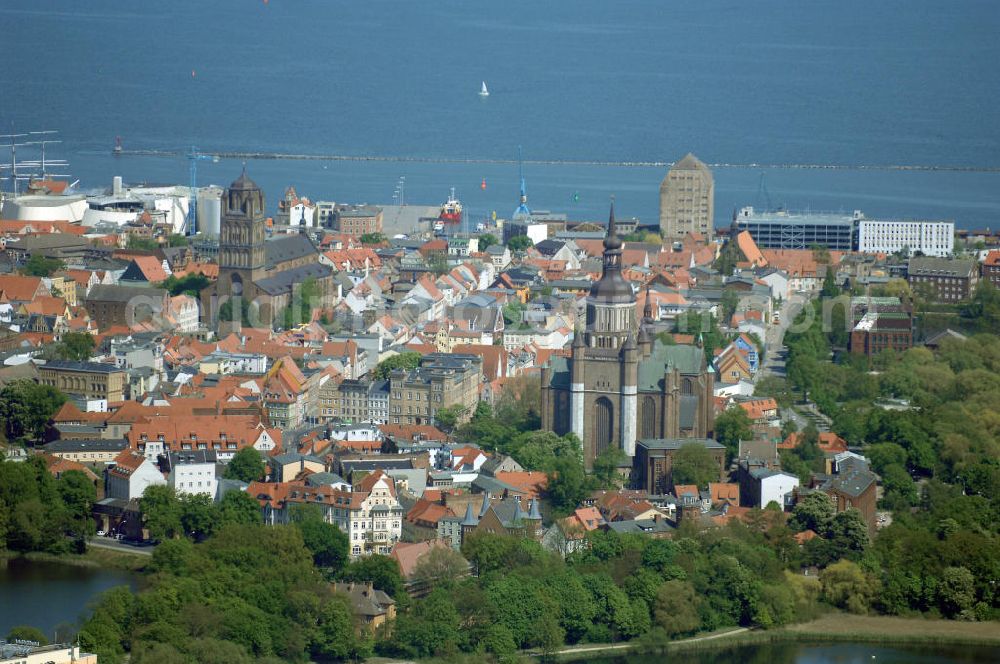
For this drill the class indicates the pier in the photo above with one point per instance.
(247, 156)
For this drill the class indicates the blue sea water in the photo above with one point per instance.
(840, 82)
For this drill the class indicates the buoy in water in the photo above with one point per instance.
(483, 184)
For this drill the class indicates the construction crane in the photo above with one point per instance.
(194, 157)
(522, 209)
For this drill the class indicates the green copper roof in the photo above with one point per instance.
(687, 360)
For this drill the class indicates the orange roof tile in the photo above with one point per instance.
(724, 492)
(530, 483)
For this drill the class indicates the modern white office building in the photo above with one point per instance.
(932, 238)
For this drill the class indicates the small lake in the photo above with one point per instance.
(45, 594)
(831, 653)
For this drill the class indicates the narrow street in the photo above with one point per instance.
(115, 545)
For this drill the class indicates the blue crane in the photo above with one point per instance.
(522, 209)
(194, 157)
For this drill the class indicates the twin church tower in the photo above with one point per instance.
(620, 384)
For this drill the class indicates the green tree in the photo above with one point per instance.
(567, 484)
(500, 642)
(373, 238)
(487, 240)
(406, 360)
(883, 455)
(145, 244)
(605, 466)
(519, 243)
(846, 586)
(676, 609)
(239, 507)
(732, 426)
(441, 566)
(446, 418)
(336, 632)
(76, 346)
(177, 240)
(381, 571)
(40, 266)
(162, 511)
(200, 516)
(899, 489)
(956, 593)
(78, 495)
(432, 628)
(246, 465)
(190, 284)
(26, 407)
(27, 633)
(848, 532)
(694, 464)
(305, 299)
(830, 287)
(329, 546)
(814, 512)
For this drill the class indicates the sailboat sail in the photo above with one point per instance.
(484, 92)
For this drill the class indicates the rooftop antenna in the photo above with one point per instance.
(522, 209)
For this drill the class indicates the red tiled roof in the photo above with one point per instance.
(411, 432)
(21, 288)
(685, 489)
(757, 408)
(530, 483)
(750, 250)
(724, 492)
(151, 268)
(828, 442)
(427, 513)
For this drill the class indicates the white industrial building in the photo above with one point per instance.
(41, 207)
(125, 205)
(932, 238)
(209, 210)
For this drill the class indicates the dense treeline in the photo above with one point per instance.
(622, 587)
(936, 446)
(41, 513)
(247, 594)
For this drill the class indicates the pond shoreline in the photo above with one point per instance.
(833, 628)
(94, 558)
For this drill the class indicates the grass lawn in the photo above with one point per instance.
(888, 629)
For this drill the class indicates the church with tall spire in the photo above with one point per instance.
(619, 383)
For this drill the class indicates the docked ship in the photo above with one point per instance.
(451, 211)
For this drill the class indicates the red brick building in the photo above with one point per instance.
(991, 268)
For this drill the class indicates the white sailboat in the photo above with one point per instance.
(484, 92)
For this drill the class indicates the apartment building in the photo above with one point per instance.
(931, 238)
(87, 380)
(369, 514)
(442, 380)
(947, 280)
